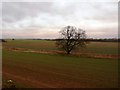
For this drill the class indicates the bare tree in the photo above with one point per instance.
(71, 38)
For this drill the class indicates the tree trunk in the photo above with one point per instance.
(68, 52)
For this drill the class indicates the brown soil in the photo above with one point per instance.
(39, 80)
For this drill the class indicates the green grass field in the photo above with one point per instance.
(92, 47)
(58, 71)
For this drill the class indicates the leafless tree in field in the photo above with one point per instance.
(71, 38)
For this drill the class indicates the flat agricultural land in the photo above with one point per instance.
(39, 64)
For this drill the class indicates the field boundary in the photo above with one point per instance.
(90, 55)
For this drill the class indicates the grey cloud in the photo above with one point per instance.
(14, 11)
(17, 11)
(35, 17)
(106, 12)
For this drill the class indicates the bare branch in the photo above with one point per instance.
(71, 38)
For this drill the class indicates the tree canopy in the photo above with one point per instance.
(71, 38)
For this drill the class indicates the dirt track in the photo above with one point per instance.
(91, 55)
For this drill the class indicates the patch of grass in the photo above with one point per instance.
(103, 47)
(44, 70)
(31, 44)
(92, 47)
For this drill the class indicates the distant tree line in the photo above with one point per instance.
(96, 40)
(103, 40)
(3, 40)
(88, 39)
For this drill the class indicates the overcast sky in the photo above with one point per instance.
(46, 19)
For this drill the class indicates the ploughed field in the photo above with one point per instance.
(47, 69)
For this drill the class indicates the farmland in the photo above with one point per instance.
(56, 70)
(92, 47)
